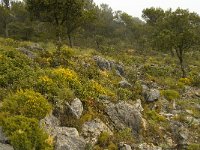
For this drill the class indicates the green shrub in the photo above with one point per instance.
(124, 94)
(8, 42)
(153, 115)
(170, 94)
(97, 147)
(112, 146)
(16, 69)
(194, 146)
(196, 81)
(104, 139)
(157, 71)
(27, 103)
(93, 89)
(125, 135)
(62, 56)
(25, 133)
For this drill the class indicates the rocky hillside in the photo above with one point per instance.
(86, 99)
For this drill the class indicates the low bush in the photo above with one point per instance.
(104, 139)
(194, 146)
(25, 133)
(185, 81)
(153, 115)
(170, 94)
(124, 94)
(27, 103)
(196, 81)
(125, 135)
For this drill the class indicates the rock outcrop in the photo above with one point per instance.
(123, 146)
(49, 123)
(92, 129)
(6, 147)
(150, 95)
(124, 84)
(180, 134)
(105, 64)
(65, 138)
(76, 108)
(145, 146)
(125, 115)
(68, 139)
(3, 138)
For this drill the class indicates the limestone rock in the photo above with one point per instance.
(145, 146)
(123, 146)
(76, 108)
(49, 123)
(68, 139)
(65, 138)
(193, 120)
(92, 129)
(35, 46)
(104, 64)
(6, 147)
(3, 138)
(124, 84)
(180, 134)
(150, 95)
(27, 52)
(125, 115)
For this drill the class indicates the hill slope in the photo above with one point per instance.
(95, 99)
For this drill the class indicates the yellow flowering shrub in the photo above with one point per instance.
(27, 103)
(46, 80)
(186, 81)
(65, 73)
(45, 85)
(66, 76)
(94, 89)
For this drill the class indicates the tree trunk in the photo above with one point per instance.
(172, 52)
(59, 39)
(6, 30)
(70, 40)
(180, 57)
(97, 43)
(182, 67)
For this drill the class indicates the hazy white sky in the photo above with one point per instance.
(135, 7)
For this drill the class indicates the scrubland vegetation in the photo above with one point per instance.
(41, 72)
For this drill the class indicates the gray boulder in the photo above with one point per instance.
(92, 129)
(35, 46)
(3, 138)
(49, 123)
(119, 69)
(6, 147)
(180, 133)
(76, 108)
(150, 95)
(153, 95)
(124, 84)
(68, 139)
(145, 146)
(123, 146)
(102, 63)
(105, 64)
(65, 138)
(27, 52)
(125, 115)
